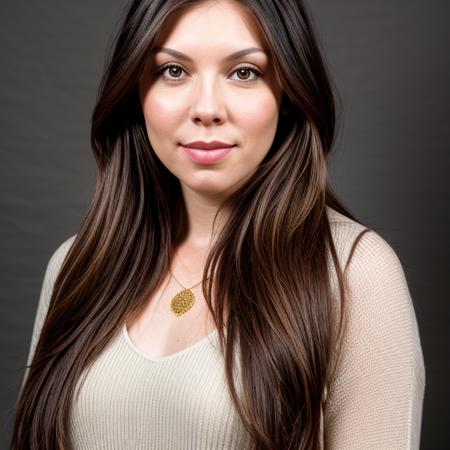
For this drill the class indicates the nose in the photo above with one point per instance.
(208, 102)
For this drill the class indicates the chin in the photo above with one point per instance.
(208, 184)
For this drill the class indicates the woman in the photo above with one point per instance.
(217, 294)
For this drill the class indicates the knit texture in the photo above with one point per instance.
(132, 401)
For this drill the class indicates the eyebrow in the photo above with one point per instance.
(228, 58)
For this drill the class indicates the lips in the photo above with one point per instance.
(210, 156)
(212, 145)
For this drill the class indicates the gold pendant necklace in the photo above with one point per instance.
(184, 300)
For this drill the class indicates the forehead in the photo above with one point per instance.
(212, 26)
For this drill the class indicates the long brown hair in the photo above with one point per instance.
(271, 259)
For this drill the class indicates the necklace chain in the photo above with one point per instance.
(185, 299)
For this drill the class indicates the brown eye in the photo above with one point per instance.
(174, 71)
(243, 74)
(243, 71)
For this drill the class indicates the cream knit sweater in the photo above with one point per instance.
(133, 401)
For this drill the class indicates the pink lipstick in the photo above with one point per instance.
(207, 152)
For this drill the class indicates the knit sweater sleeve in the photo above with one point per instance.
(375, 399)
(51, 272)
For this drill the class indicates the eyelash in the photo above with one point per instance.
(171, 80)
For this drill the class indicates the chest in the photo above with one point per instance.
(158, 332)
(180, 402)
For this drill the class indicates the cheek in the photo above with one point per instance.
(162, 115)
(258, 120)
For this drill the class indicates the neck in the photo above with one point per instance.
(201, 210)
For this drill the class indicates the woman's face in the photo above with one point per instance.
(209, 97)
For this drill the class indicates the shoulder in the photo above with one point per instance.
(379, 301)
(358, 244)
(52, 270)
(379, 304)
(61, 250)
(370, 262)
(57, 257)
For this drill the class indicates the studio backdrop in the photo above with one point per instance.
(389, 62)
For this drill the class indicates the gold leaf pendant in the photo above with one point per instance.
(182, 302)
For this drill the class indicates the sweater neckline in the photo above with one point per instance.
(175, 355)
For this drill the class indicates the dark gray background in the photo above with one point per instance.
(390, 64)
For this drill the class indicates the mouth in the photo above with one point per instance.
(209, 156)
(213, 145)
